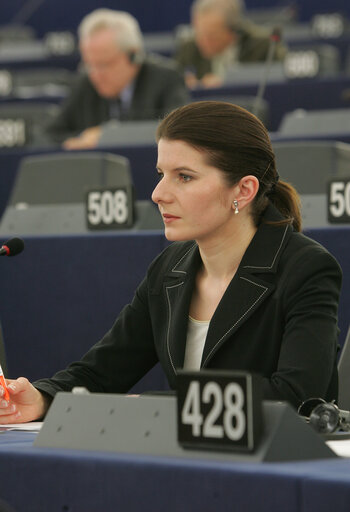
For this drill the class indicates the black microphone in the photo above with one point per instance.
(12, 247)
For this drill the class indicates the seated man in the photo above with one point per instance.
(119, 81)
(219, 39)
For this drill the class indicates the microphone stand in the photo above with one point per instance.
(24, 14)
(274, 39)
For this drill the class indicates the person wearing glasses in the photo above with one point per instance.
(118, 81)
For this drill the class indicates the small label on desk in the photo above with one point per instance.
(327, 26)
(110, 208)
(60, 43)
(13, 133)
(338, 201)
(301, 64)
(219, 410)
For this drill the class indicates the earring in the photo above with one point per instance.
(235, 204)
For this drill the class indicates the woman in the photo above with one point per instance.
(241, 288)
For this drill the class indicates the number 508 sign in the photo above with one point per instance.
(218, 410)
(109, 208)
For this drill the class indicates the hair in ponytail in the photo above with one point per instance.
(236, 142)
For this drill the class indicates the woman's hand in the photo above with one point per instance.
(26, 402)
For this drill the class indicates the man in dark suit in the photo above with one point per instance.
(219, 38)
(119, 81)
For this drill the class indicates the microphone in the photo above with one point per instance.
(324, 417)
(275, 37)
(12, 247)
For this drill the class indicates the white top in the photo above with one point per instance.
(196, 335)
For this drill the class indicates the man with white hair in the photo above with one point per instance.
(220, 37)
(119, 81)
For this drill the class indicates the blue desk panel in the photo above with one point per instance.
(63, 293)
(41, 480)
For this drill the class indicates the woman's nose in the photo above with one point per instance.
(161, 192)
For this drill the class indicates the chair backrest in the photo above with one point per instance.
(65, 177)
(42, 76)
(308, 166)
(260, 107)
(254, 72)
(344, 374)
(13, 32)
(127, 133)
(49, 194)
(302, 122)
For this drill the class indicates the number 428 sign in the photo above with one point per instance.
(219, 410)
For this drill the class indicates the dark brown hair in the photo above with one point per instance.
(237, 143)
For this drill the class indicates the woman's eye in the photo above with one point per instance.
(160, 175)
(185, 177)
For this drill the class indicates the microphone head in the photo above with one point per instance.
(13, 246)
(276, 34)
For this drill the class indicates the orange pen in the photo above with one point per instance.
(3, 383)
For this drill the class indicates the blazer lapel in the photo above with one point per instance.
(252, 285)
(243, 296)
(178, 288)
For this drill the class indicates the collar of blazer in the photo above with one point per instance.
(246, 292)
(261, 256)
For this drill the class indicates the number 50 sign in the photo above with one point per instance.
(219, 410)
(339, 200)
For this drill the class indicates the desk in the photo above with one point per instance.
(42, 480)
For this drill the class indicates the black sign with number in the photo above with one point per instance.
(110, 208)
(338, 201)
(13, 132)
(301, 64)
(219, 410)
(331, 25)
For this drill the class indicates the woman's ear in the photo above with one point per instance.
(246, 190)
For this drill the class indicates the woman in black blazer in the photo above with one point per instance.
(239, 289)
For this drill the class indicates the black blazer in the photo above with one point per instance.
(278, 317)
(159, 88)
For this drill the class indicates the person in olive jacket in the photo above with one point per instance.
(219, 38)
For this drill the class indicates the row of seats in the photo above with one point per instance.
(24, 124)
(303, 60)
(42, 203)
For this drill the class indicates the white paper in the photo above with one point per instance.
(33, 426)
(341, 447)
